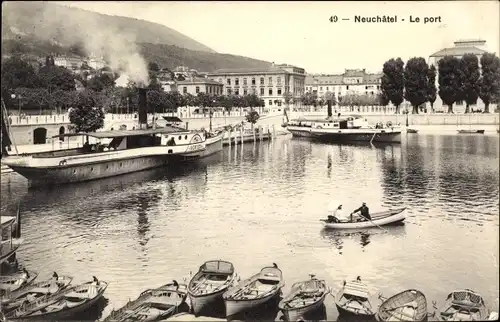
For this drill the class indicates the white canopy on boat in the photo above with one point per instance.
(333, 205)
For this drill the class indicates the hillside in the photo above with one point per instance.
(23, 33)
(166, 56)
(22, 18)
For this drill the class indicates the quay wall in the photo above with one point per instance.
(38, 129)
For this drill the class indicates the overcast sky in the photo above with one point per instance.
(301, 34)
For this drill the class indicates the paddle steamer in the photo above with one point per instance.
(117, 152)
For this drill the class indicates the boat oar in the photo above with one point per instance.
(385, 230)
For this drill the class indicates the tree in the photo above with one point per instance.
(449, 81)
(489, 83)
(55, 78)
(180, 78)
(100, 82)
(252, 117)
(85, 115)
(393, 81)
(16, 72)
(469, 81)
(415, 77)
(288, 98)
(153, 66)
(431, 86)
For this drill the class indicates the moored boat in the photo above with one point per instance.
(353, 299)
(409, 305)
(116, 152)
(62, 305)
(304, 297)
(345, 129)
(12, 283)
(152, 305)
(209, 284)
(470, 131)
(254, 291)
(411, 131)
(10, 236)
(30, 293)
(464, 305)
(377, 219)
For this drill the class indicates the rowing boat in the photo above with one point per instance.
(12, 283)
(34, 291)
(254, 291)
(304, 297)
(464, 305)
(377, 219)
(352, 299)
(409, 305)
(152, 304)
(411, 131)
(209, 284)
(62, 305)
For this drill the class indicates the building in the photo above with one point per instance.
(195, 85)
(352, 81)
(270, 83)
(462, 47)
(72, 63)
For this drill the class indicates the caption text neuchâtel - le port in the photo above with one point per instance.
(390, 19)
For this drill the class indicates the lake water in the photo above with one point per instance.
(255, 205)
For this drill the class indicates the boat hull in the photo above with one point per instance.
(8, 250)
(234, 307)
(105, 167)
(295, 314)
(200, 304)
(398, 216)
(347, 135)
(348, 313)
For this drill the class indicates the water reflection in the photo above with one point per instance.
(338, 236)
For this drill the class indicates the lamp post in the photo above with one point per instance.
(13, 96)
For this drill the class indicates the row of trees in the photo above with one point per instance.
(459, 80)
(56, 89)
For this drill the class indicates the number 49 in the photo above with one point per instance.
(334, 19)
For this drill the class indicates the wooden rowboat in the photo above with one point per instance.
(377, 219)
(465, 305)
(152, 305)
(352, 299)
(304, 297)
(34, 291)
(471, 131)
(254, 291)
(12, 283)
(209, 284)
(62, 305)
(411, 131)
(409, 305)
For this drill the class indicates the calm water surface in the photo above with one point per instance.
(258, 204)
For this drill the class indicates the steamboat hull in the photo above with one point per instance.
(349, 136)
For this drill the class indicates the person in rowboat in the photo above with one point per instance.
(364, 212)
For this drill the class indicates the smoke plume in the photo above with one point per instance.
(93, 32)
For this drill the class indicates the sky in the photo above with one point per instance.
(301, 34)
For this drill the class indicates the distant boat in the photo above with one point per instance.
(61, 305)
(348, 128)
(409, 305)
(411, 131)
(464, 305)
(352, 299)
(152, 305)
(254, 291)
(471, 131)
(209, 284)
(304, 297)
